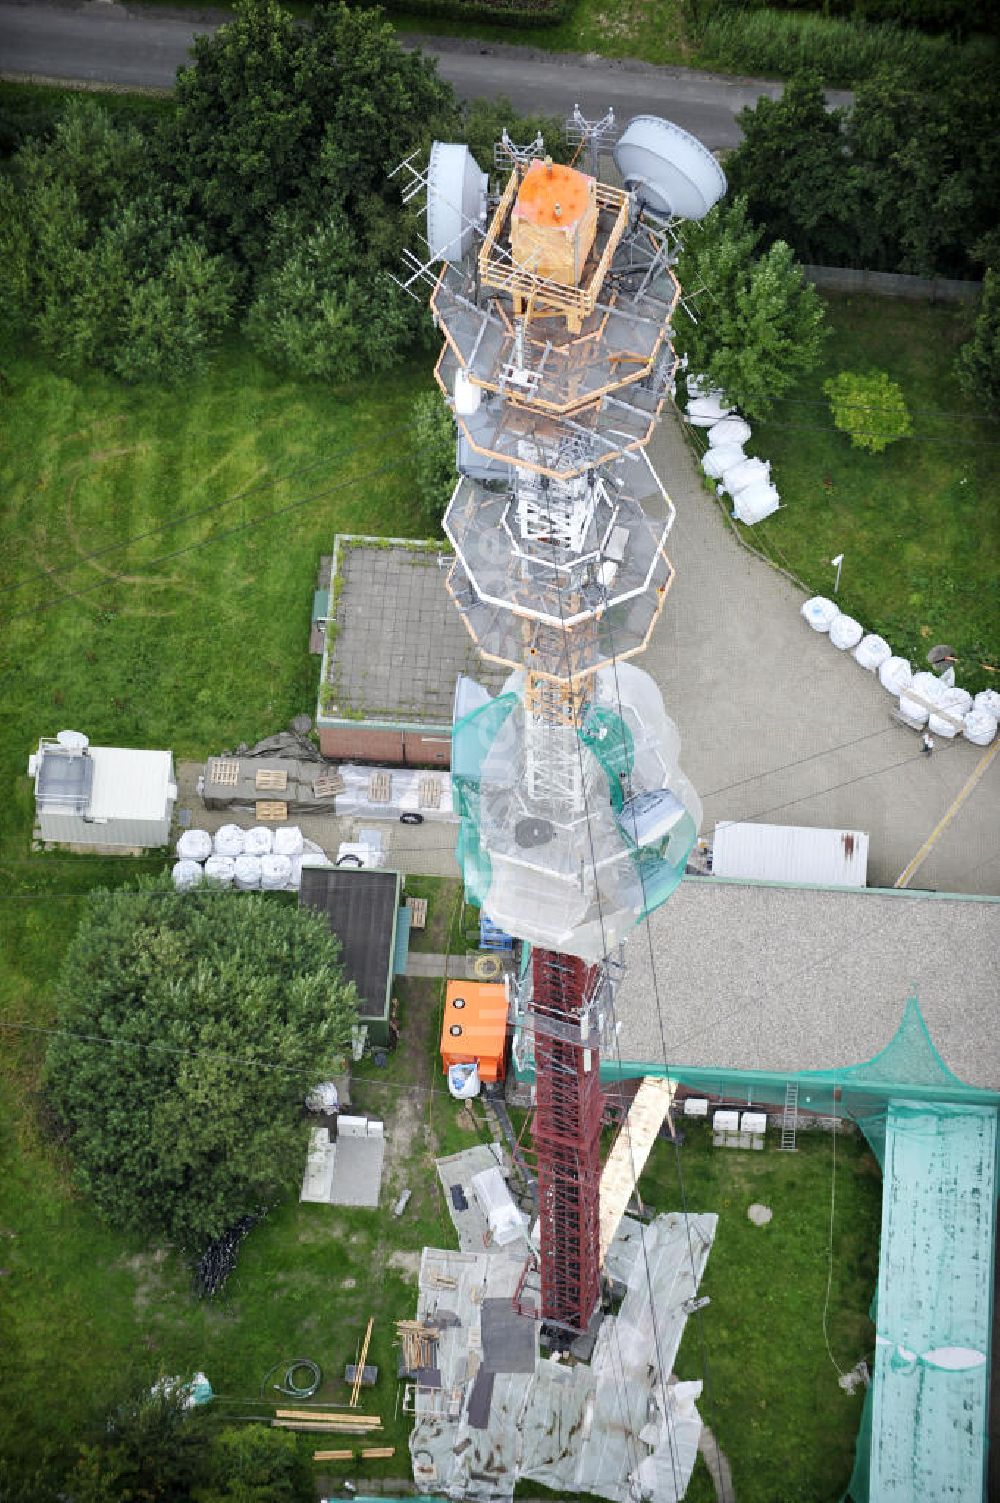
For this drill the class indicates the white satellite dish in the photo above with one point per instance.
(668, 169)
(456, 201)
(73, 741)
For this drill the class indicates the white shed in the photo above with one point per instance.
(791, 853)
(110, 797)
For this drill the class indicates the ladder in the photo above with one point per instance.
(790, 1117)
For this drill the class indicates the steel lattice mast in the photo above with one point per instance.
(554, 298)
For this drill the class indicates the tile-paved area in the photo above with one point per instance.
(400, 642)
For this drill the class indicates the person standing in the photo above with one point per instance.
(928, 744)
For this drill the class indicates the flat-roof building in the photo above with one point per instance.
(362, 907)
(393, 650)
(111, 798)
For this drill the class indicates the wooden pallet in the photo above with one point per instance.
(272, 811)
(333, 1456)
(380, 788)
(223, 771)
(418, 912)
(275, 778)
(377, 1453)
(429, 792)
(327, 785)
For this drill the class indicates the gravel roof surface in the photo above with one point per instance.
(751, 976)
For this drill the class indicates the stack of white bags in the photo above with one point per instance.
(259, 859)
(746, 480)
(924, 699)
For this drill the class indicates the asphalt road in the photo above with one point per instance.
(102, 42)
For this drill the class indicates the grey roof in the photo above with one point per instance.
(400, 644)
(758, 977)
(360, 908)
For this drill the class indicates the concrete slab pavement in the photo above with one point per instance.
(779, 726)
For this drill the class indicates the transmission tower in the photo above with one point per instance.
(554, 295)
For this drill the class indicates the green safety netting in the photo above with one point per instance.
(622, 881)
(923, 1434)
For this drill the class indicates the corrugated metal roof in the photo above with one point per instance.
(129, 784)
(791, 853)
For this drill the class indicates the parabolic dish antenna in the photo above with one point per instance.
(72, 741)
(456, 201)
(669, 169)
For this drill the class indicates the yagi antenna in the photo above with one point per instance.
(594, 134)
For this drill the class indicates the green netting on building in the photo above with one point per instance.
(923, 1435)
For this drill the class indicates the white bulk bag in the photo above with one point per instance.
(912, 711)
(871, 652)
(195, 845)
(755, 502)
(247, 873)
(988, 700)
(731, 430)
(939, 726)
(820, 612)
(229, 841)
(220, 869)
(746, 472)
(274, 872)
(288, 841)
(259, 841)
(697, 386)
(295, 874)
(186, 874)
(715, 462)
(895, 674)
(980, 727)
(846, 633)
(955, 700)
(929, 687)
(706, 411)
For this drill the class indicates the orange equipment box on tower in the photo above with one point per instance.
(554, 222)
(474, 1030)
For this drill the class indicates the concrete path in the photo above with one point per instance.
(718, 1466)
(132, 47)
(778, 726)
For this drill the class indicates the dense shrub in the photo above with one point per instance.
(499, 12)
(870, 408)
(959, 17)
(978, 362)
(907, 180)
(433, 431)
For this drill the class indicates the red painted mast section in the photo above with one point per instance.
(567, 1129)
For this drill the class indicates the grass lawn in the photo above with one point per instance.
(917, 524)
(199, 650)
(772, 1398)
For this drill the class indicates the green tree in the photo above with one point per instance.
(250, 1464)
(792, 168)
(978, 361)
(759, 326)
(870, 408)
(170, 322)
(191, 1024)
(308, 117)
(432, 428)
(324, 309)
(154, 1450)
